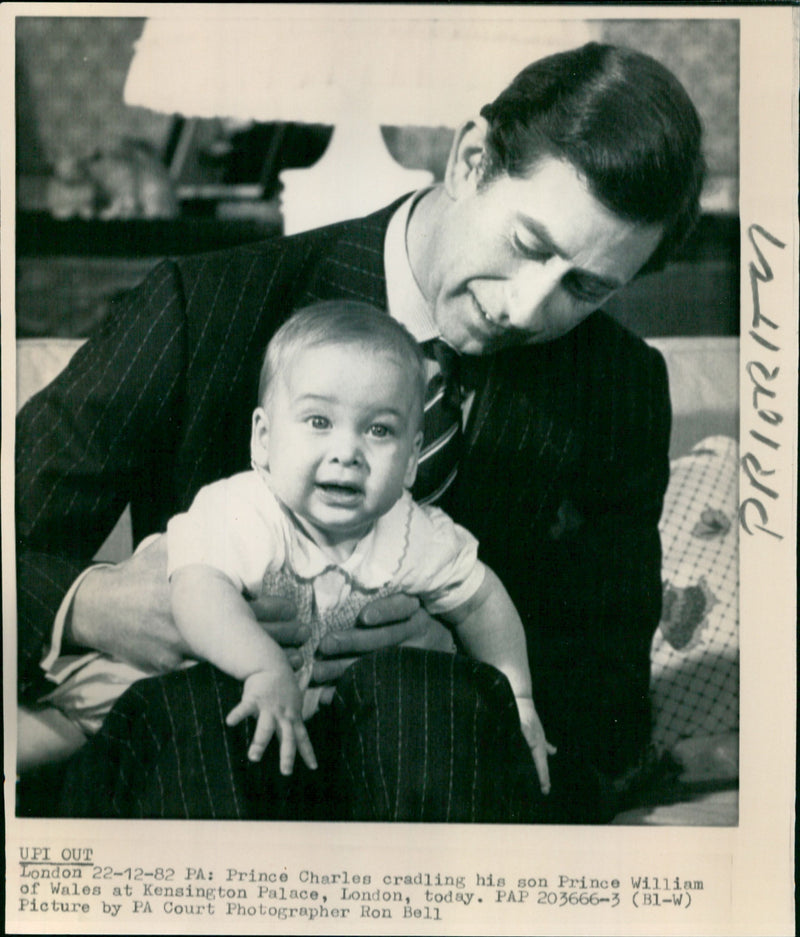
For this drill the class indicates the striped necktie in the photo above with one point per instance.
(441, 446)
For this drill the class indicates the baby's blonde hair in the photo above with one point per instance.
(342, 322)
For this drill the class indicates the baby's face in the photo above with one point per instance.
(339, 437)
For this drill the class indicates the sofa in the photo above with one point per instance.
(695, 651)
(692, 773)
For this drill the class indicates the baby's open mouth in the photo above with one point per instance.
(340, 491)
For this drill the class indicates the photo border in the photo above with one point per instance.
(747, 870)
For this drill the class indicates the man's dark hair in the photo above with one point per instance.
(621, 119)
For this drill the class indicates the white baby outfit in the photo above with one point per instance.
(240, 528)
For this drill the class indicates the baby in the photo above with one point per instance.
(325, 518)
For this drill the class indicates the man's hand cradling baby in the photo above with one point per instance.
(386, 622)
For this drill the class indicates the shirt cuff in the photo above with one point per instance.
(55, 666)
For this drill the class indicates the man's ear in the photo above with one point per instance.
(467, 157)
(259, 438)
(413, 462)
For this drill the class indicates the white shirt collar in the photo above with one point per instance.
(376, 559)
(406, 302)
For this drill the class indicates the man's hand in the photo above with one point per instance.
(386, 622)
(124, 610)
(278, 617)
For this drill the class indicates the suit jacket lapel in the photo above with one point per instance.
(352, 265)
(521, 439)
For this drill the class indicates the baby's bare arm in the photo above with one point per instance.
(489, 627)
(491, 630)
(219, 626)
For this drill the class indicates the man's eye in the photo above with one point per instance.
(318, 422)
(530, 251)
(586, 292)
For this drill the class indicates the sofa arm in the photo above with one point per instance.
(703, 388)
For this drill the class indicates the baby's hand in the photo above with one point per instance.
(533, 731)
(275, 699)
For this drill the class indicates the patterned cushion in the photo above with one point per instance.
(695, 651)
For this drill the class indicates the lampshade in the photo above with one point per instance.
(392, 69)
(347, 66)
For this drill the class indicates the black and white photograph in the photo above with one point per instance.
(473, 330)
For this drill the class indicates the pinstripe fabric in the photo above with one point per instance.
(152, 408)
(135, 768)
(486, 775)
(539, 440)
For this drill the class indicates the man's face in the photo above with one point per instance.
(339, 436)
(524, 260)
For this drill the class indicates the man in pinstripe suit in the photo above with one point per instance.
(584, 172)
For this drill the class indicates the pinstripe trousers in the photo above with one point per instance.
(454, 754)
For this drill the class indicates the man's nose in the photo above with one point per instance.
(530, 289)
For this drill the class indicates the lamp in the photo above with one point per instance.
(355, 68)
